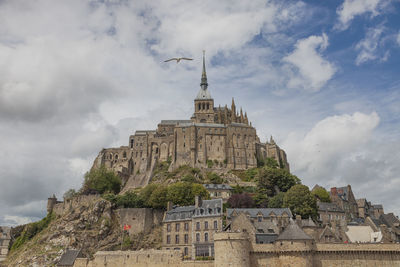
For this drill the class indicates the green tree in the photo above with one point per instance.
(214, 178)
(321, 194)
(276, 180)
(101, 180)
(182, 193)
(70, 193)
(271, 163)
(261, 198)
(146, 192)
(276, 201)
(300, 201)
(158, 198)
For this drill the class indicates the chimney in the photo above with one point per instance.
(197, 201)
(169, 205)
(298, 219)
(333, 191)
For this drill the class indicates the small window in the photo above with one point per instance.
(186, 238)
(186, 226)
(177, 226)
(206, 237)
(186, 251)
(177, 239)
(197, 237)
(208, 106)
(168, 239)
(259, 218)
(206, 225)
(168, 227)
(197, 225)
(215, 224)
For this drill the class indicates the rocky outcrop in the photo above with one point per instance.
(90, 227)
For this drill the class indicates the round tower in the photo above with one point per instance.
(232, 249)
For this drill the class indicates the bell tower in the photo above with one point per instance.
(203, 103)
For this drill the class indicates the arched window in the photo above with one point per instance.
(208, 106)
(199, 106)
(206, 237)
(116, 156)
(124, 154)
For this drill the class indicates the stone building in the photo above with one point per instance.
(190, 229)
(223, 136)
(344, 198)
(366, 209)
(263, 224)
(5, 238)
(223, 191)
(329, 212)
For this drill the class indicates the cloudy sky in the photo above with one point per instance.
(322, 77)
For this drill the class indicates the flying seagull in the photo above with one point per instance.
(178, 59)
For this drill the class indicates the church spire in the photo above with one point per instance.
(204, 83)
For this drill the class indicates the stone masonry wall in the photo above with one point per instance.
(156, 258)
(140, 219)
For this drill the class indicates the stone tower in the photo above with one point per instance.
(203, 103)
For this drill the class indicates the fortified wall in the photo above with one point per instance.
(234, 249)
(5, 237)
(140, 219)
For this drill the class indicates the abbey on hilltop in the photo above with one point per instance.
(214, 137)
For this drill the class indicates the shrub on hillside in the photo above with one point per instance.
(101, 180)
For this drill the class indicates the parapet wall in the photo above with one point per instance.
(67, 205)
(147, 258)
(233, 249)
(140, 219)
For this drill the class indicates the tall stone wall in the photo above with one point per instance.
(154, 258)
(234, 249)
(60, 208)
(140, 219)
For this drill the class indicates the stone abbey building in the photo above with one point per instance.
(217, 137)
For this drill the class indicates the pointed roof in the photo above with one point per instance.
(203, 94)
(293, 232)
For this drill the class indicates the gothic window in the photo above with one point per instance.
(110, 156)
(116, 156)
(124, 155)
(199, 106)
(208, 106)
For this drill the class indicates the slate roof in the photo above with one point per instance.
(308, 223)
(266, 238)
(293, 232)
(203, 94)
(201, 124)
(208, 208)
(265, 212)
(217, 186)
(327, 206)
(389, 219)
(174, 122)
(69, 257)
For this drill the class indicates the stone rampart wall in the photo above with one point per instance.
(156, 258)
(140, 219)
(76, 202)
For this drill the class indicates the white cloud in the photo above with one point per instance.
(369, 46)
(313, 70)
(328, 143)
(398, 38)
(16, 220)
(352, 8)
